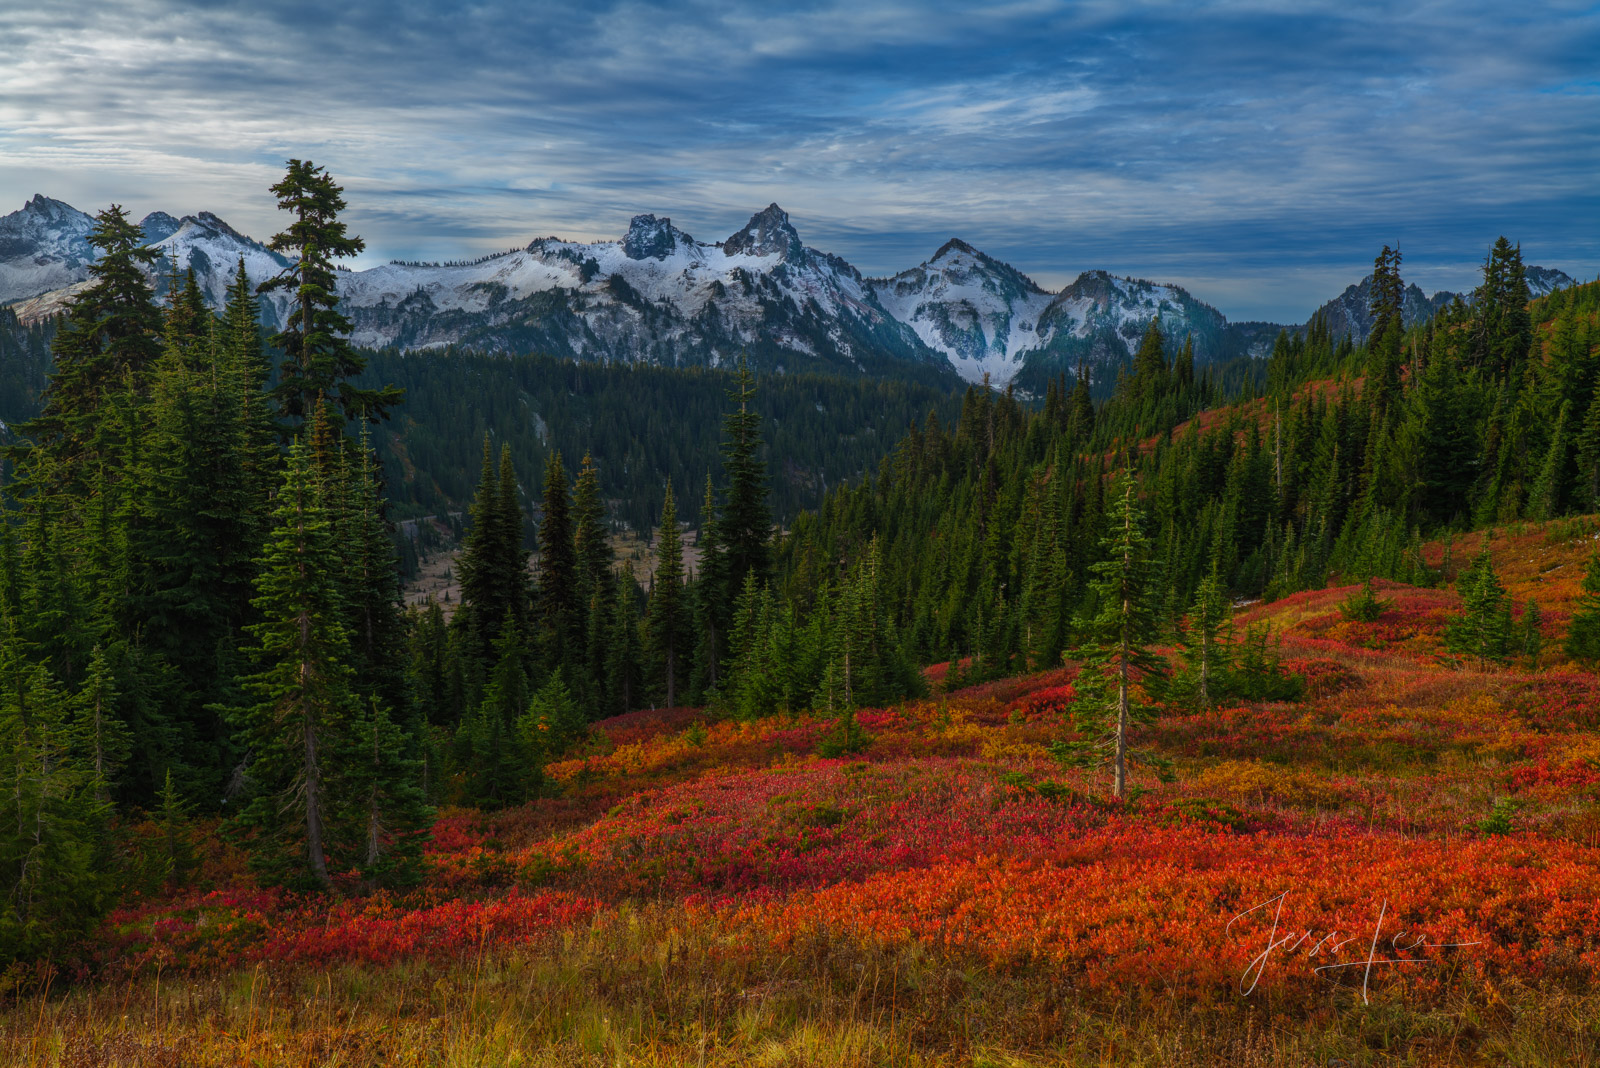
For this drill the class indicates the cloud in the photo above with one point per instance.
(1257, 152)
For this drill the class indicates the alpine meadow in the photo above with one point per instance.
(657, 651)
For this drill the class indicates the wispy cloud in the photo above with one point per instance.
(1258, 152)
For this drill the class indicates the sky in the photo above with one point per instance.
(1257, 153)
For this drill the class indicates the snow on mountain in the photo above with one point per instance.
(1543, 281)
(211, 248)
(60, 251)
(983, 315)
(659, 296)
(656, 295)
(44, 246)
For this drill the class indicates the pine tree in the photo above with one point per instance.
(1531, 639)
(493, 566)
(385, 799)
(559, 607)
(318, 361)
(744, 525)
(623, 655)
(1583, 631)
(53, 873)
(710, 601)
(667, 631)
(1116, 661)
(1382, 388)
(98, 731)
(303, 707)
(1483, 631)
(595, 586)
(1547, 498)
(1205, 649)
(108, 342)
(1149, 366)
(375, 616)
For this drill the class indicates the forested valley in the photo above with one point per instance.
(203, 629)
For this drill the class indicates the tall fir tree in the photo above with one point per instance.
(1116, 661)
(667, 623)
(318, 360)
(300, 718)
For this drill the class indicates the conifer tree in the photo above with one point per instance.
(98, 731)
(1115, 656)
(559, 607)
(667, 632)
(709, 599)
(384, 798)
(318, 360)
(1149, 366)
(108, 342)
(375, 615)
(493, 566)
(53, 873)
(1483, 631)
(744, 524)
(1583, 631)
(623, 675)
(1205, 649)
(1547, 498)
(299, 720)
(595, 587)
(1531, 638)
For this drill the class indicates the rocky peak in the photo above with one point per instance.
(650, 238)
(158, 226)
(767, 232)
(52, 210)
(954, 246)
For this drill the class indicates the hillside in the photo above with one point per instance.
(947, 893)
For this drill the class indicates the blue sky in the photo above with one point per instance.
(1258, 153)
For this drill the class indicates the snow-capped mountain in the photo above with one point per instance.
(981, 314)
(53, 237)
(44, 246)
(659, 296)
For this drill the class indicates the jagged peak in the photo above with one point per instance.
(767, 232)
(158, 226)
(955, 244)
(652, 238)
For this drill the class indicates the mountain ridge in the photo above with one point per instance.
(659, 296)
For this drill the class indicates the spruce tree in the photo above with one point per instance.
(53, 823)
(744, 524)
(108, 342)
(595, 587)
(623, 654)
(559, 607)
(318, 360)
(1115, 655)
(1206, 654)
(384, 800)
(1583, 631)
(299, 721)
(1483, 631)
(667, 631)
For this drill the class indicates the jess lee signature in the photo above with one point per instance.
(1400, 943)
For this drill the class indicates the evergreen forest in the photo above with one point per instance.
(200, 587)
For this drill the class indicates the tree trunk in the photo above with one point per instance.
(314, 850)
(672, 679)
(1119, 783)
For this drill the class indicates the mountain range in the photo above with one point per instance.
(659, 296)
